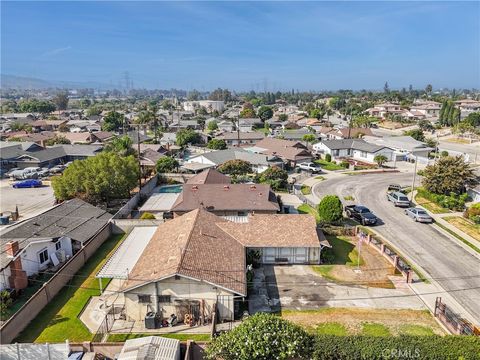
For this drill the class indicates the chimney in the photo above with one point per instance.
(12, 248)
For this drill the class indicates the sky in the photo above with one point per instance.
(245, 45)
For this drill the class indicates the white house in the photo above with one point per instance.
(352, 148)
(47, 240)
(210, 105)
(405, 147)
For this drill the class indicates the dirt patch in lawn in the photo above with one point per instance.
(375, 270)
(354, 319)
(392, 125)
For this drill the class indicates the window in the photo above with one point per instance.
(242, 213)
(363, 154)
(336, 152)
(165, 298)
(58, 245)
(43, 256)
(143, 299)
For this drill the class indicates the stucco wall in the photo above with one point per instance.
(178, 289)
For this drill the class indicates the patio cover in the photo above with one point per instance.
(127, 254)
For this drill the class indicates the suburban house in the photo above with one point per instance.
(47, 125)
(198, 260)
(47, 240)
(329, 133)
(429, 110)
(381, 110)
(356, 149)
(227, 199)
(241, 138)
(405, 147)
(210, 105)
(291, 152)
(209, 176)
(259, 162)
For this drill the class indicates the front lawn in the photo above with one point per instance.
(468, 227)
(375, 329)
(306, 190)
(59, 320)
(430, 205)
(332, 328)
(307, 209)
(328, 165)
(181, 337)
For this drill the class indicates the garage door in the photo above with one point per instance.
(301, 255)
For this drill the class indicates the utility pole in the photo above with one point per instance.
(414, 177)
(137, 126)
(238, 131)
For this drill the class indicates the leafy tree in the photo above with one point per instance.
(221, 95)
(166, 164)
(448, 175)
(217, 144)
(94, 110)
(316, 113)
(104, 177)
(36, 106)
(380, 159)
(386, 88)
(113, 121)
(428, 89)
(235, 167)
(330, 209)
(425, 125)
(193, 95)
(121, 145)
(431, 142)
(265, 113)
(473, 119)
(417, 134)
(328, 157)
(57, 139)
(275, 177)
(212, 125)
(5, 302)
(188, 136)
(363, 121)
(309, 138)
(283, 117)
(61, 100)
(262, 337)
(247, 113)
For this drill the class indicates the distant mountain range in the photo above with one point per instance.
(25, 83)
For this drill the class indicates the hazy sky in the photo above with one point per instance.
(245, 45)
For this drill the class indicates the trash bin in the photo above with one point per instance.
(151, 320)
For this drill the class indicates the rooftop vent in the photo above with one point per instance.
(226, 187)
(194, 187)
(253, 187)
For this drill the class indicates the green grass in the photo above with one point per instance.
(453, 233)
(467, 226)
(416, 330)
(307, 209)
(430, 205)
(349, 198)
(319, 177)
(329, 165)
(375, 329)
(59, 320)
(332, 328)
(344, 251)
(181, 337)
(306, 190)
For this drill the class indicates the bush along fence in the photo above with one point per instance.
(387, 252)
(452, 321)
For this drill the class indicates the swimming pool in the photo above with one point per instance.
(170, 189)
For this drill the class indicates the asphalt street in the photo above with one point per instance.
(453, 267)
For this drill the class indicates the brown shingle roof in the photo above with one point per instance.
(286, 149)
(210, 176)
(224, 197)
(191, 245)
(276, 230)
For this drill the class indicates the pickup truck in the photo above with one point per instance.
(309, 166)
(361, 214)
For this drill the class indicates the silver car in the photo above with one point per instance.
(419, 215)
(398, 199)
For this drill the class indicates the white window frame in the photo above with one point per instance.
(39, 254)
(58, 245)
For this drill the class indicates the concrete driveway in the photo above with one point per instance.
(298, 287)
(454, 268)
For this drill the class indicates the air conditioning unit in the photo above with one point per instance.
(61, 256)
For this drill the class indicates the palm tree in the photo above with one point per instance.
(380, 159)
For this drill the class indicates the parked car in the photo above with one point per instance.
(419, 215)
(9, 172)
(44, 172)
(398, 199)
(394, 187)
(361, 214)
(310, 166)
(30, 183)
(57, 169)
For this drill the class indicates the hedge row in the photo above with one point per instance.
(452, 201)
(328, 347)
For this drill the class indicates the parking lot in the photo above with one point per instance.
(30, 202)
(295, 287)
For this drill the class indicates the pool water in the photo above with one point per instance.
(170, 189)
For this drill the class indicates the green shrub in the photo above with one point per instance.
(329, 347)
(473, 213)
(330, 209)
(452, 201)
(328, 158)
(275, 177)
(261, 337)
(147, 216)
(345, 164)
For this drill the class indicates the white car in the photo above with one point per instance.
(419, 215)
(309, 166)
